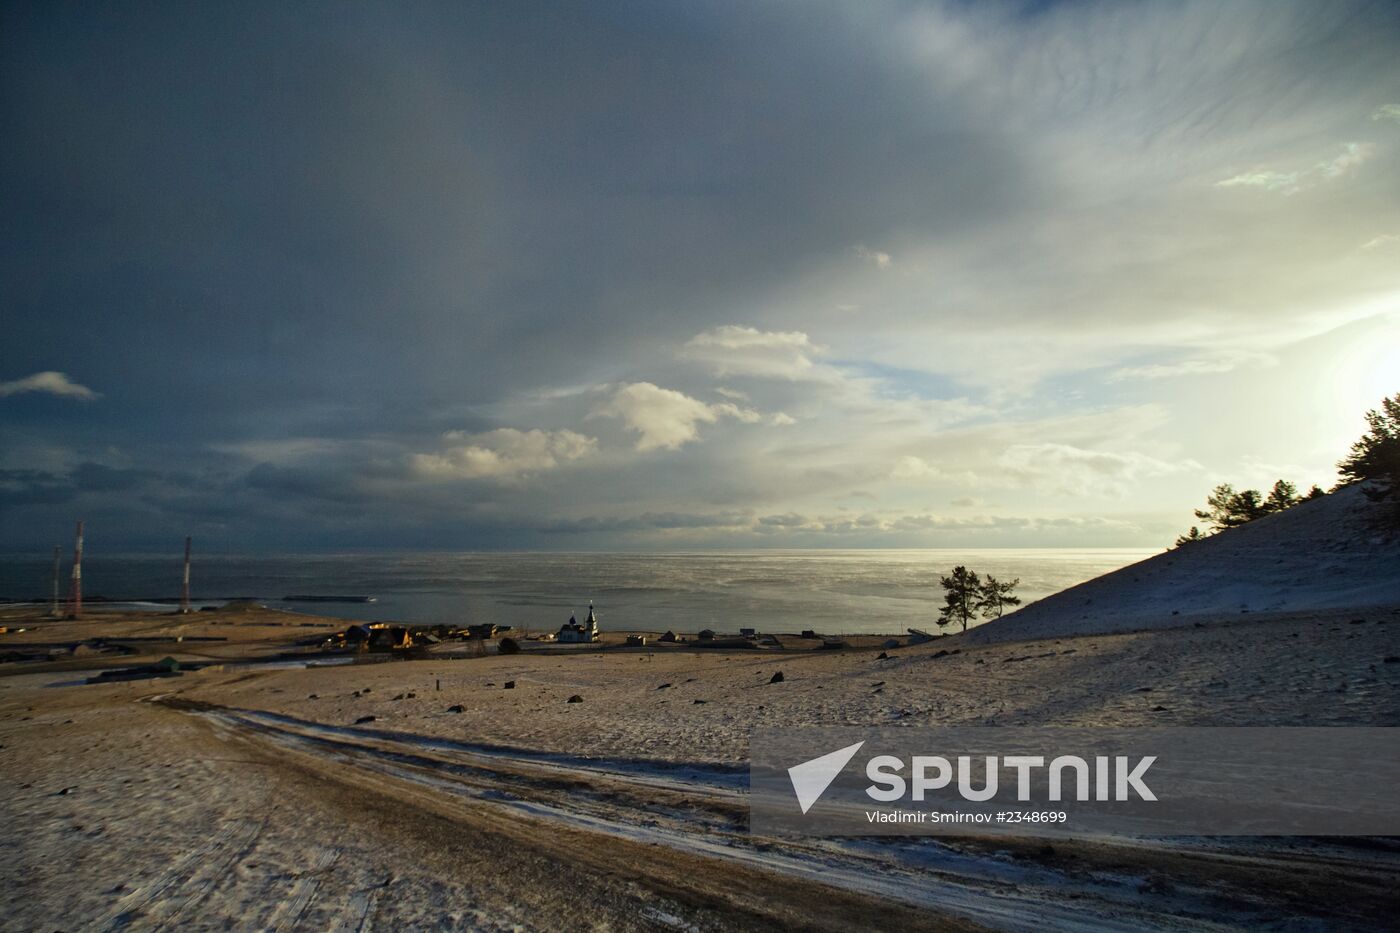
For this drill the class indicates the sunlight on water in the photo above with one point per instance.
(833, 591)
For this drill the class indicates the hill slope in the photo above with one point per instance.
(1321, 554)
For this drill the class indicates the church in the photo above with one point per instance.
(571, 631)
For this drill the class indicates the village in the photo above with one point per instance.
(107, 640)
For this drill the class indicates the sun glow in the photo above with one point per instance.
(1369, 369)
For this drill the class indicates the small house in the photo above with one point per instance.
(356, 634)
(386, 637)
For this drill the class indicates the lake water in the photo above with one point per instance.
(866, 591)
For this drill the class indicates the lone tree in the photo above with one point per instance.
(962, 597)
(1376, 457)
(995, 596)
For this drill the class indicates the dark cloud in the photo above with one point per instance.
(270, 208)
(295, 247)
(33, 487)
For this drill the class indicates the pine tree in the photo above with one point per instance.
(961, 596)
(1284, 495)
(1226, 508)
(1190, 537)
(1230, 509)
(1376, 457)
(994, 596)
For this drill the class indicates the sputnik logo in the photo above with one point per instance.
(811, 778)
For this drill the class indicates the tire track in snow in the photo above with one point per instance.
(167, 914)
(289, 913)
(120, 914)
(982, 888)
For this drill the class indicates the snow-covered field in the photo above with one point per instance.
(266, 797)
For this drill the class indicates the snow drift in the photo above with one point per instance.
(1327, 553)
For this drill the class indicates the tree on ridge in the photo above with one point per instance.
(962, 594)
(994, 596)
(1376, 456)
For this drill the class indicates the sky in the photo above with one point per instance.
(327, 276)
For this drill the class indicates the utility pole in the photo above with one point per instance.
(185, 591)
(75, 599)
(54, 611)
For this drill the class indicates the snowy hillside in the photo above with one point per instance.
(1321, 554)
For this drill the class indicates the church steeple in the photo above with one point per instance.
(573, 632)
